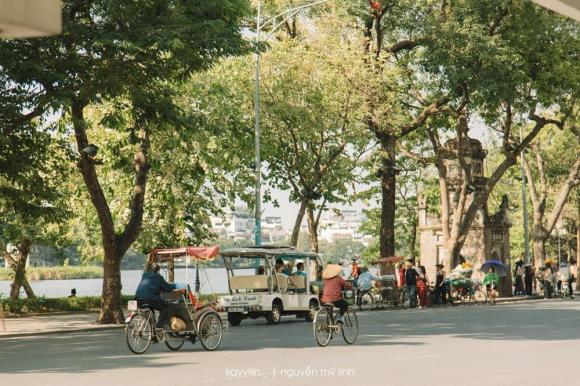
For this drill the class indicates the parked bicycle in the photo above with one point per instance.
(467, 291)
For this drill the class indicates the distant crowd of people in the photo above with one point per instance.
(527, 280)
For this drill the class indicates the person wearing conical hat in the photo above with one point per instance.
(333, 284)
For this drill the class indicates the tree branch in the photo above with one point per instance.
(423, 116)
(572, 181)
(136, 206)
(532, 185)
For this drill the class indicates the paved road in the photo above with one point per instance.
(528, 343)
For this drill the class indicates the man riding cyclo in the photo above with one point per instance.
(149, 292)
(333, 285)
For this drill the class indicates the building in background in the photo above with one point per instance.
(273, 232)
(342, 225)
(237, 224)
(488, 235)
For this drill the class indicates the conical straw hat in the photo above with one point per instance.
(331, 271)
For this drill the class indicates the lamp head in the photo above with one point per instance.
(91, 150)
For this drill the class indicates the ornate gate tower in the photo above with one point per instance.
(488, 236)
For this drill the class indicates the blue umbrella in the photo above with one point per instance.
(500, 268)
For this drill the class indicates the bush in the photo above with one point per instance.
(80, 303)
(42, 304)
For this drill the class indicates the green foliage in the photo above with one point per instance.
(74, 304)
(339, 250)
(41, 304)
(126, 59)
(311, 111)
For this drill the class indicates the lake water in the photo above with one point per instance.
(213, 280)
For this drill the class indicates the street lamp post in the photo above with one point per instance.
(286, 15)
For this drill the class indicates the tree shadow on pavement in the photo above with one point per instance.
(82, 352)
(107, 350)
(541, 320)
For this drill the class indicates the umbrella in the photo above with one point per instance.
(389, 260)
(500, 268)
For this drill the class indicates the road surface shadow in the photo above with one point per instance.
(107, 350)
(540, 320)
(82, 352)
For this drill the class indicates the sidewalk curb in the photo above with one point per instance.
(61, 332)
(517, 299)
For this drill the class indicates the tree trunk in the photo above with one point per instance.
(114, 245)
(298, 222)
(312, 230)
(539, 237)
(111, 301)
(412, 247)
(19, 267)
(578, 235)
(539, 251)
(578, 243)
(388, 193)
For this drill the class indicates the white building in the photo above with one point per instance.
(273, 232)
(236, 224)
(342, 225)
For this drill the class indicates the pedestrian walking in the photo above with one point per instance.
(519, 278)
(490, 282)
(548, 279)
(528, 278)
(566, 278)
(401, 274)
(422, 285)
(440, 285)
(411, 276)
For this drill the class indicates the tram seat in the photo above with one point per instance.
(298, 282)
(254, 282)
(282, 280)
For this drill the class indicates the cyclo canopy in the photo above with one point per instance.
(197, 253)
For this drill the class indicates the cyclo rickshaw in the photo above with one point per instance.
(463, 289)
(188, 318)
(385, 291)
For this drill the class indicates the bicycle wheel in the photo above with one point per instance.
(139, 333)
(480, 297)
(456, 296)
(174, 341)
(210, 331)
(350, 326)
(366, 302)
(321, 327)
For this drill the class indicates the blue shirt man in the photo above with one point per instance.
(151, 286)
(364, 281)
(300, 270)
(149, 291)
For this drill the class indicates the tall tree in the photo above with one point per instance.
(514, 63)
(130, 52)
(395, 33)
(313, 140)
(550, 182)
(32, 203)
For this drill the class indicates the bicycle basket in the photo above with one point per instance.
(348, 296)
